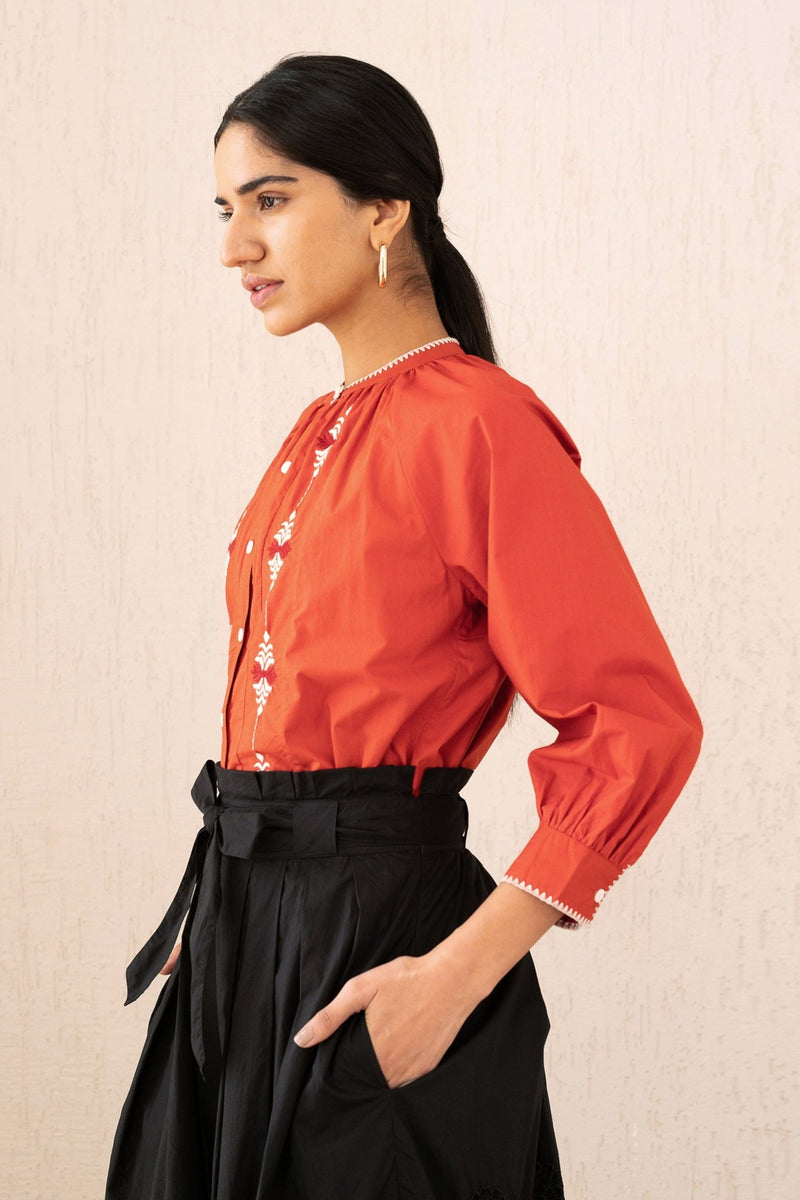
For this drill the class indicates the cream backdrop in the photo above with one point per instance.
(624, 179)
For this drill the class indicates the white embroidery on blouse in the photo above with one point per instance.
(278, 549)
(264, 673)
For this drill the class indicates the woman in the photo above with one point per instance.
(354, 1011)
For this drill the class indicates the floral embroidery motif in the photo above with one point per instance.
(261, 763)
(264, 672)
(279, 547)
(324, 443)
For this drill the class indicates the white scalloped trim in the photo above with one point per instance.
(577, 917)
(388, 366)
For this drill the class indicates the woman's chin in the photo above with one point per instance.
(281, 325)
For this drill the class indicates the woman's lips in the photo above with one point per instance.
(260, 295)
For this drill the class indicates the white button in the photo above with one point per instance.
(598, 896)
(286, 466)
(249, 546)
(240, 634)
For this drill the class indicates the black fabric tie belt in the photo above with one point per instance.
(296, 814)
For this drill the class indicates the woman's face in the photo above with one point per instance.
(302, 248)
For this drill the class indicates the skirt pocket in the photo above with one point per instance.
(365, 1051)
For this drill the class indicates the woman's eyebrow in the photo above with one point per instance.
(254, 183)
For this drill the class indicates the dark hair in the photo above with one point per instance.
(356, 123)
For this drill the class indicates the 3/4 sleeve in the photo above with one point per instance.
(498, 483)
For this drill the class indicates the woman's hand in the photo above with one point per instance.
(412, 1009)
(169, 965)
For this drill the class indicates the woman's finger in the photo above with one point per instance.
(169, 965)
(353, 997)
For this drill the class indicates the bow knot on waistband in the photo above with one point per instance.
(302, 824)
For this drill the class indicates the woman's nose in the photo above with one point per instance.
(237, 247)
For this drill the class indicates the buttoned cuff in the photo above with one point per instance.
(563, 872)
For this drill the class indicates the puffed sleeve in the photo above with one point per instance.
(498, 482)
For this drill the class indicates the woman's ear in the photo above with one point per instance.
(389, 217)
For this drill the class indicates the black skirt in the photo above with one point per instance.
(298, 881)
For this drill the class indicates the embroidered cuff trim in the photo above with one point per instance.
(576, 919)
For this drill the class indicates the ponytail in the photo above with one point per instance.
(459, 300)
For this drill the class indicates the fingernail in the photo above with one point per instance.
(304, 1036)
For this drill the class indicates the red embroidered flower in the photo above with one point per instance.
(325, 440)
(276, 547)
(269, 673)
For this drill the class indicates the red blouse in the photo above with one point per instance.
(422, 547)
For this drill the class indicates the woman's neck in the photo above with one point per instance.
(386, 330)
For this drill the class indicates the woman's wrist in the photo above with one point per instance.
(477, 954)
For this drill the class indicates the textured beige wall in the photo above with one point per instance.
(624, 179)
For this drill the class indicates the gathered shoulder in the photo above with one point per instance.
(462, 395)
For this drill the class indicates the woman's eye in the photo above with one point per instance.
(265, 203)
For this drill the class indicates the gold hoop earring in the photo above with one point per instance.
(382, 265)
